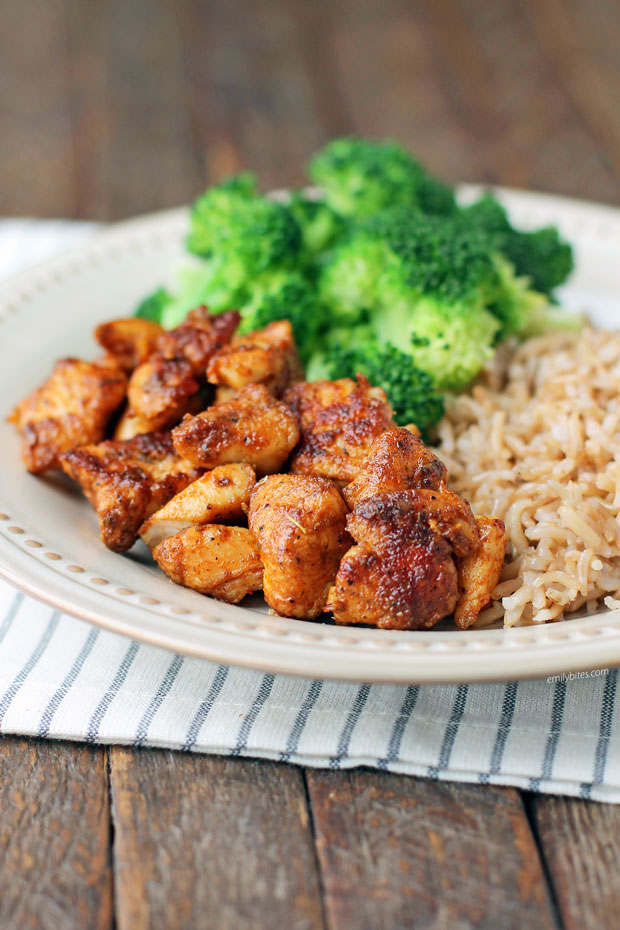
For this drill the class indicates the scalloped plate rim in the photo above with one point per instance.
(298, 647)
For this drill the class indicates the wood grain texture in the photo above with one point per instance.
(211, 843)
(55, 869)
(581, 846)
(512, 102)
(391, 82)
(397, 852)
(118, 107)
(252, 99)
(133, 144)
(35, 118)
(577, 38)
(114, 108)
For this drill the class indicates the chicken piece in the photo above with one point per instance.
(71, 408)
(251, 427)
(160, 392)
(129, 341)
(412, 588)
(479, 573)
(299, 522)
(165, 387)
(128, 481)
(222, 393)
(397, 461)
(221, 494)
(267, 356)
(339, 420)
(444, 512)
(402, 573)
(221, 561)
(198, 337)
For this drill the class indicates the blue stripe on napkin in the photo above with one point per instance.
(62, 679)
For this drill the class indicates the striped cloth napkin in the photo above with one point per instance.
(61, 678)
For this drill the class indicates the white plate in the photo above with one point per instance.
(49, 544)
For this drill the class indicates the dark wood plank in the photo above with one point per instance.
(35, 119)
(499, 71)
(95, 107)
(211, 843)
(578, 39)
(253, 98)
(397, 852)
(91, 114)
(476, 88)
(134, 148)
(581, 845)
(55, 869)
(386, 72)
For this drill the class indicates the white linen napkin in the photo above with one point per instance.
(61, 678)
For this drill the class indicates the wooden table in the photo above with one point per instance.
(117, 107)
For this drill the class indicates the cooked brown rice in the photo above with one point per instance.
(537, 443)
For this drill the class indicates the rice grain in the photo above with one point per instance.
(537, 443)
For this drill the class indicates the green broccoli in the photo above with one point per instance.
(360, 177)
(524, 312)
(435, 197)
(385, 274)
(220, 288)
(237, 235)
(320, 226)
(541, 255)
(410, 390)
(284, 295)
(348, 282)
(240, 235)
(154, 305)
(450, 341)
(434, 254)
(422, 285)
(529, 265)
(213, 212)
(486, 215)
(232, 219)
(514, 301)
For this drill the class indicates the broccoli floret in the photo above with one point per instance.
(285, 295)
(398, 253)
(422, 284)
(214, 210)
(529, 265)
(219, 284)
(232, 219)
(524, 312)
(514, 303)
(348, 282)
(486, 215)
(542, 256)
(153, 307)
(410, 390)
(449, 342)
(360, 177)
(320, 226)
(434, 255)
(238, 235)
(435, 197)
